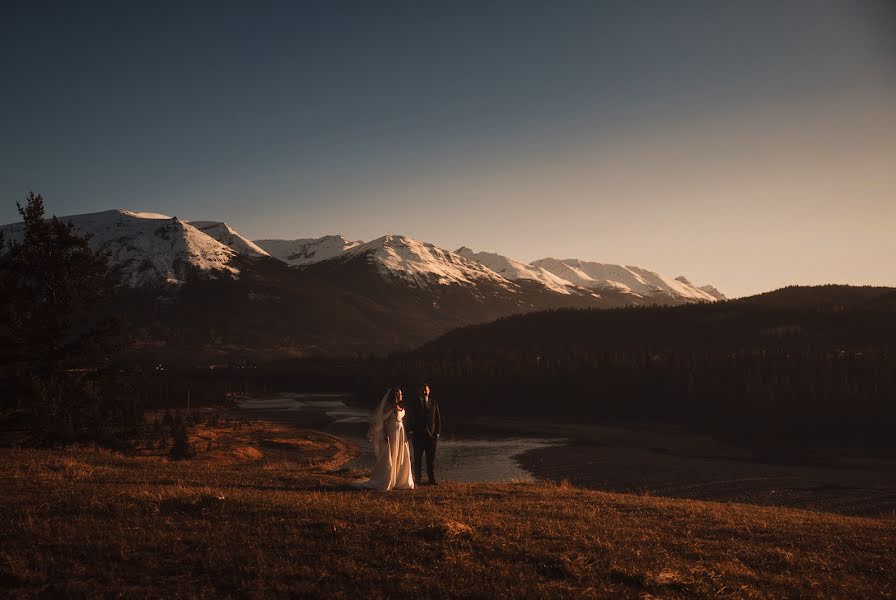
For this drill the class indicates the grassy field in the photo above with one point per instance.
(260, 511)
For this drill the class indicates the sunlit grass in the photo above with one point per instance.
(283, 523)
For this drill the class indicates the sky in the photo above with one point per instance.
(749, 145)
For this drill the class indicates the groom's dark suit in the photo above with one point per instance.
(426, 421)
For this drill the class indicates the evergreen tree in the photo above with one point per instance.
(50, 281)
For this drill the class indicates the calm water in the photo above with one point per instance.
(459, 458)
(653, 459)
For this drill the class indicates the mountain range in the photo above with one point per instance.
(201, 285)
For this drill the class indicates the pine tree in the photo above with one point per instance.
(50, 281)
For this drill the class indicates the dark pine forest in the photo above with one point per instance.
(800, 365)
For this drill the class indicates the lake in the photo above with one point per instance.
(467, 458)
(653, 459)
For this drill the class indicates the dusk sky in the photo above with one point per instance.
(745, 144)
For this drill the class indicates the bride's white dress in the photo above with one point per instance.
(393, 457)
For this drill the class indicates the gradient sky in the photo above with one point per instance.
(748, 144)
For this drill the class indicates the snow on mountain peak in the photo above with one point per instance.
(424, 263)
(634, 280)
(142, 215)
(308, 250)
(230, 237)
(565, 271)
(714, 292)
(514, 269)
(148, 249)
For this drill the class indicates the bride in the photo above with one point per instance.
(390, 446)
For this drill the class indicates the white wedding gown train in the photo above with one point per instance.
(392, 469)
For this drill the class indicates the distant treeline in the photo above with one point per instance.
(802, 365)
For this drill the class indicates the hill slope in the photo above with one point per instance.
(796, 367)
(282, 523)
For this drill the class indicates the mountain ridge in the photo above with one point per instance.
(149, 249)
(514, 269)
(201, 288)
(305, 251)
(634, 280)
(208, 248)
(230, 237)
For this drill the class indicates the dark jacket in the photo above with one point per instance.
(426, 422)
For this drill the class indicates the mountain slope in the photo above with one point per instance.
(424, 264)
(565, 272)
(422, 290)
(513, 269)
(230, 237)
(636, 281)
(307, 251)
(149, 249)
(714, 292)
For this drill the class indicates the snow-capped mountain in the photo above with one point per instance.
(230, 237)
(395, 256)
(636, 281)
(226, 292)
(149, 249)
(422, 263)
(714, 292)
(565, 272)
(420, 289)
(307, 251)
(513, 269)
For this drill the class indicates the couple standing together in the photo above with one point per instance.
(392, 469)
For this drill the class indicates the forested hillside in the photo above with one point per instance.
(799, 365)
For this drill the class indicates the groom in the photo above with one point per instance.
(426, 421)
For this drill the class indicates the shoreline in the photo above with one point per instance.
(659, 460)
(673, 465)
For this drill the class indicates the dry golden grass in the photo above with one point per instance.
(89, 522)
